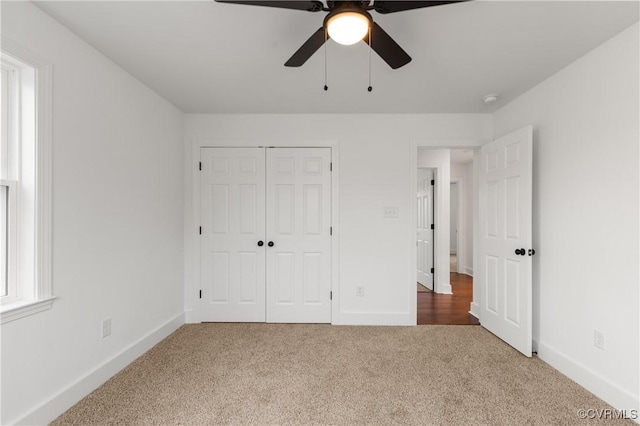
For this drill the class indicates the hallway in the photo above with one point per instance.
(448, 309)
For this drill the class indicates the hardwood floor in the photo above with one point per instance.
(451, 309)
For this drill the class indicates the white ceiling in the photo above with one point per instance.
(208, 57)
(461, 156)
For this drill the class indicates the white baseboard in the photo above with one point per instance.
(190, 317)
(475, 310)
(69, 396)
(468, 271)
(443, 289)
(368, 318)
(604, 389)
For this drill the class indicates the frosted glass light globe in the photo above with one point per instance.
(348, 27)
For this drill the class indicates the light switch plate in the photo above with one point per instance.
(390, 213)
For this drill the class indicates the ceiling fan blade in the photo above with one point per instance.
(387, 48)
(309, 47)
(384, 7)
(308, 5)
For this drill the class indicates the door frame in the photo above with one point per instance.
(192, 215)
(439, 249)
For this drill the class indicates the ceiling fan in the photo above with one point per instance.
(348, 22)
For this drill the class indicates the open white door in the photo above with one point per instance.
(424, 205)
(505, 182)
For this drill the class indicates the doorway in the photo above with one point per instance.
(451, 299)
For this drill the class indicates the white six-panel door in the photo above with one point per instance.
(424, 205)
(265, 242)
(298, 225)
(505, 179)
(232, 264)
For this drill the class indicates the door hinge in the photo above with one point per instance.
(433, 182)
(331, 230)
(330, 167)
(433, 270)
(330, 295)
(432, 226)
(200, 294)
(201, 230)
(200, 165)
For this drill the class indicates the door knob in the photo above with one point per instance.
(260, 243)
(532, 252)
(270, 243)
(520, 252)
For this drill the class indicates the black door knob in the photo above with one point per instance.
(260, 243)
(520, 252)
(532, 252)
(270, 243)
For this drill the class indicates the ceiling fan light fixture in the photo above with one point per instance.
(348, 27)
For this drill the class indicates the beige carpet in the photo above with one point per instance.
(320, 374)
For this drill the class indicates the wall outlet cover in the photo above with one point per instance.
(106, 327)
(598, 339)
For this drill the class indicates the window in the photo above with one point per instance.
(8, 183)
(25, 278)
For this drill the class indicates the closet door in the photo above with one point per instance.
(232, 264)
(298, 188)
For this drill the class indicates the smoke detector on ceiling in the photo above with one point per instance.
(488, 99)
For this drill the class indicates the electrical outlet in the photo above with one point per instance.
(360, 291)
(106, 327)
(598, 339)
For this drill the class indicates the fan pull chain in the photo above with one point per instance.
(325, 61)
(370, 88)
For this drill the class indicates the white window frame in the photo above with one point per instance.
(32, 292)
(9, 172)
(12, 291)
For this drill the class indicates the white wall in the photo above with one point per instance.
(375, 153)
(474, 249)
(463, 173)
(117, 226)
(586, 189)
(470, 191)
(453, 217)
